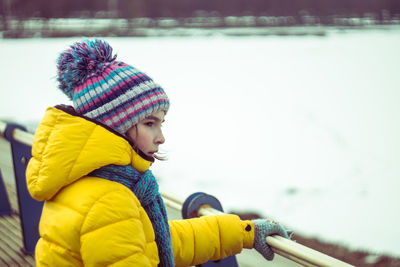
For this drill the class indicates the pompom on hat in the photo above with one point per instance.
(106, 90)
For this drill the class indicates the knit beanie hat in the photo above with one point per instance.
(106, 90)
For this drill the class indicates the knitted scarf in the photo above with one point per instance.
(145, 187)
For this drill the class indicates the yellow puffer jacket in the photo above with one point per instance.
(89, 221)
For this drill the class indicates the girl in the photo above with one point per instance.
(90, 164)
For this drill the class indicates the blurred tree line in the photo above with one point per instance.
(21, 9)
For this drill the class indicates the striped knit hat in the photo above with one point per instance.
(106, 90)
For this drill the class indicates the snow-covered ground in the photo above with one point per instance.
(304, 129)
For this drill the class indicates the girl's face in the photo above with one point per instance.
(147, 134)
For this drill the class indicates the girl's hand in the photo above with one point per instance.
(264, 228)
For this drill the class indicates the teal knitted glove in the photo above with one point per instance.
(264, 228)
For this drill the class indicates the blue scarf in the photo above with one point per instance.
(145, 187)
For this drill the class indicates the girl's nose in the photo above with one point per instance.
(160, 138)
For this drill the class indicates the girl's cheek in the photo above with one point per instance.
(148, 136)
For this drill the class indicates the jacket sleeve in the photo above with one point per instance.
(113, 234)
(213, 237)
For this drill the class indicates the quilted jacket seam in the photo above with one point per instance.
(70, 208)
(80, 152)
(130, 255)
(54, 243)
(40, 158)
(94, 203)
(119, 221)
(90, 209)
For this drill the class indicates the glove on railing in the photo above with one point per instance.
(264, 228)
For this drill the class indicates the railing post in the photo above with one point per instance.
(5, 207)
(30, 210)
(190, 209)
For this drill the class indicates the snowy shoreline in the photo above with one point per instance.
(186, 27)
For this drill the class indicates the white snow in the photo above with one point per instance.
(303, 129)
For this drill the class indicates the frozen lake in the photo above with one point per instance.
(303, 129)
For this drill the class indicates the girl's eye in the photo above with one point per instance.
(149, 123)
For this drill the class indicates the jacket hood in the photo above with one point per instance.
(67, 147)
